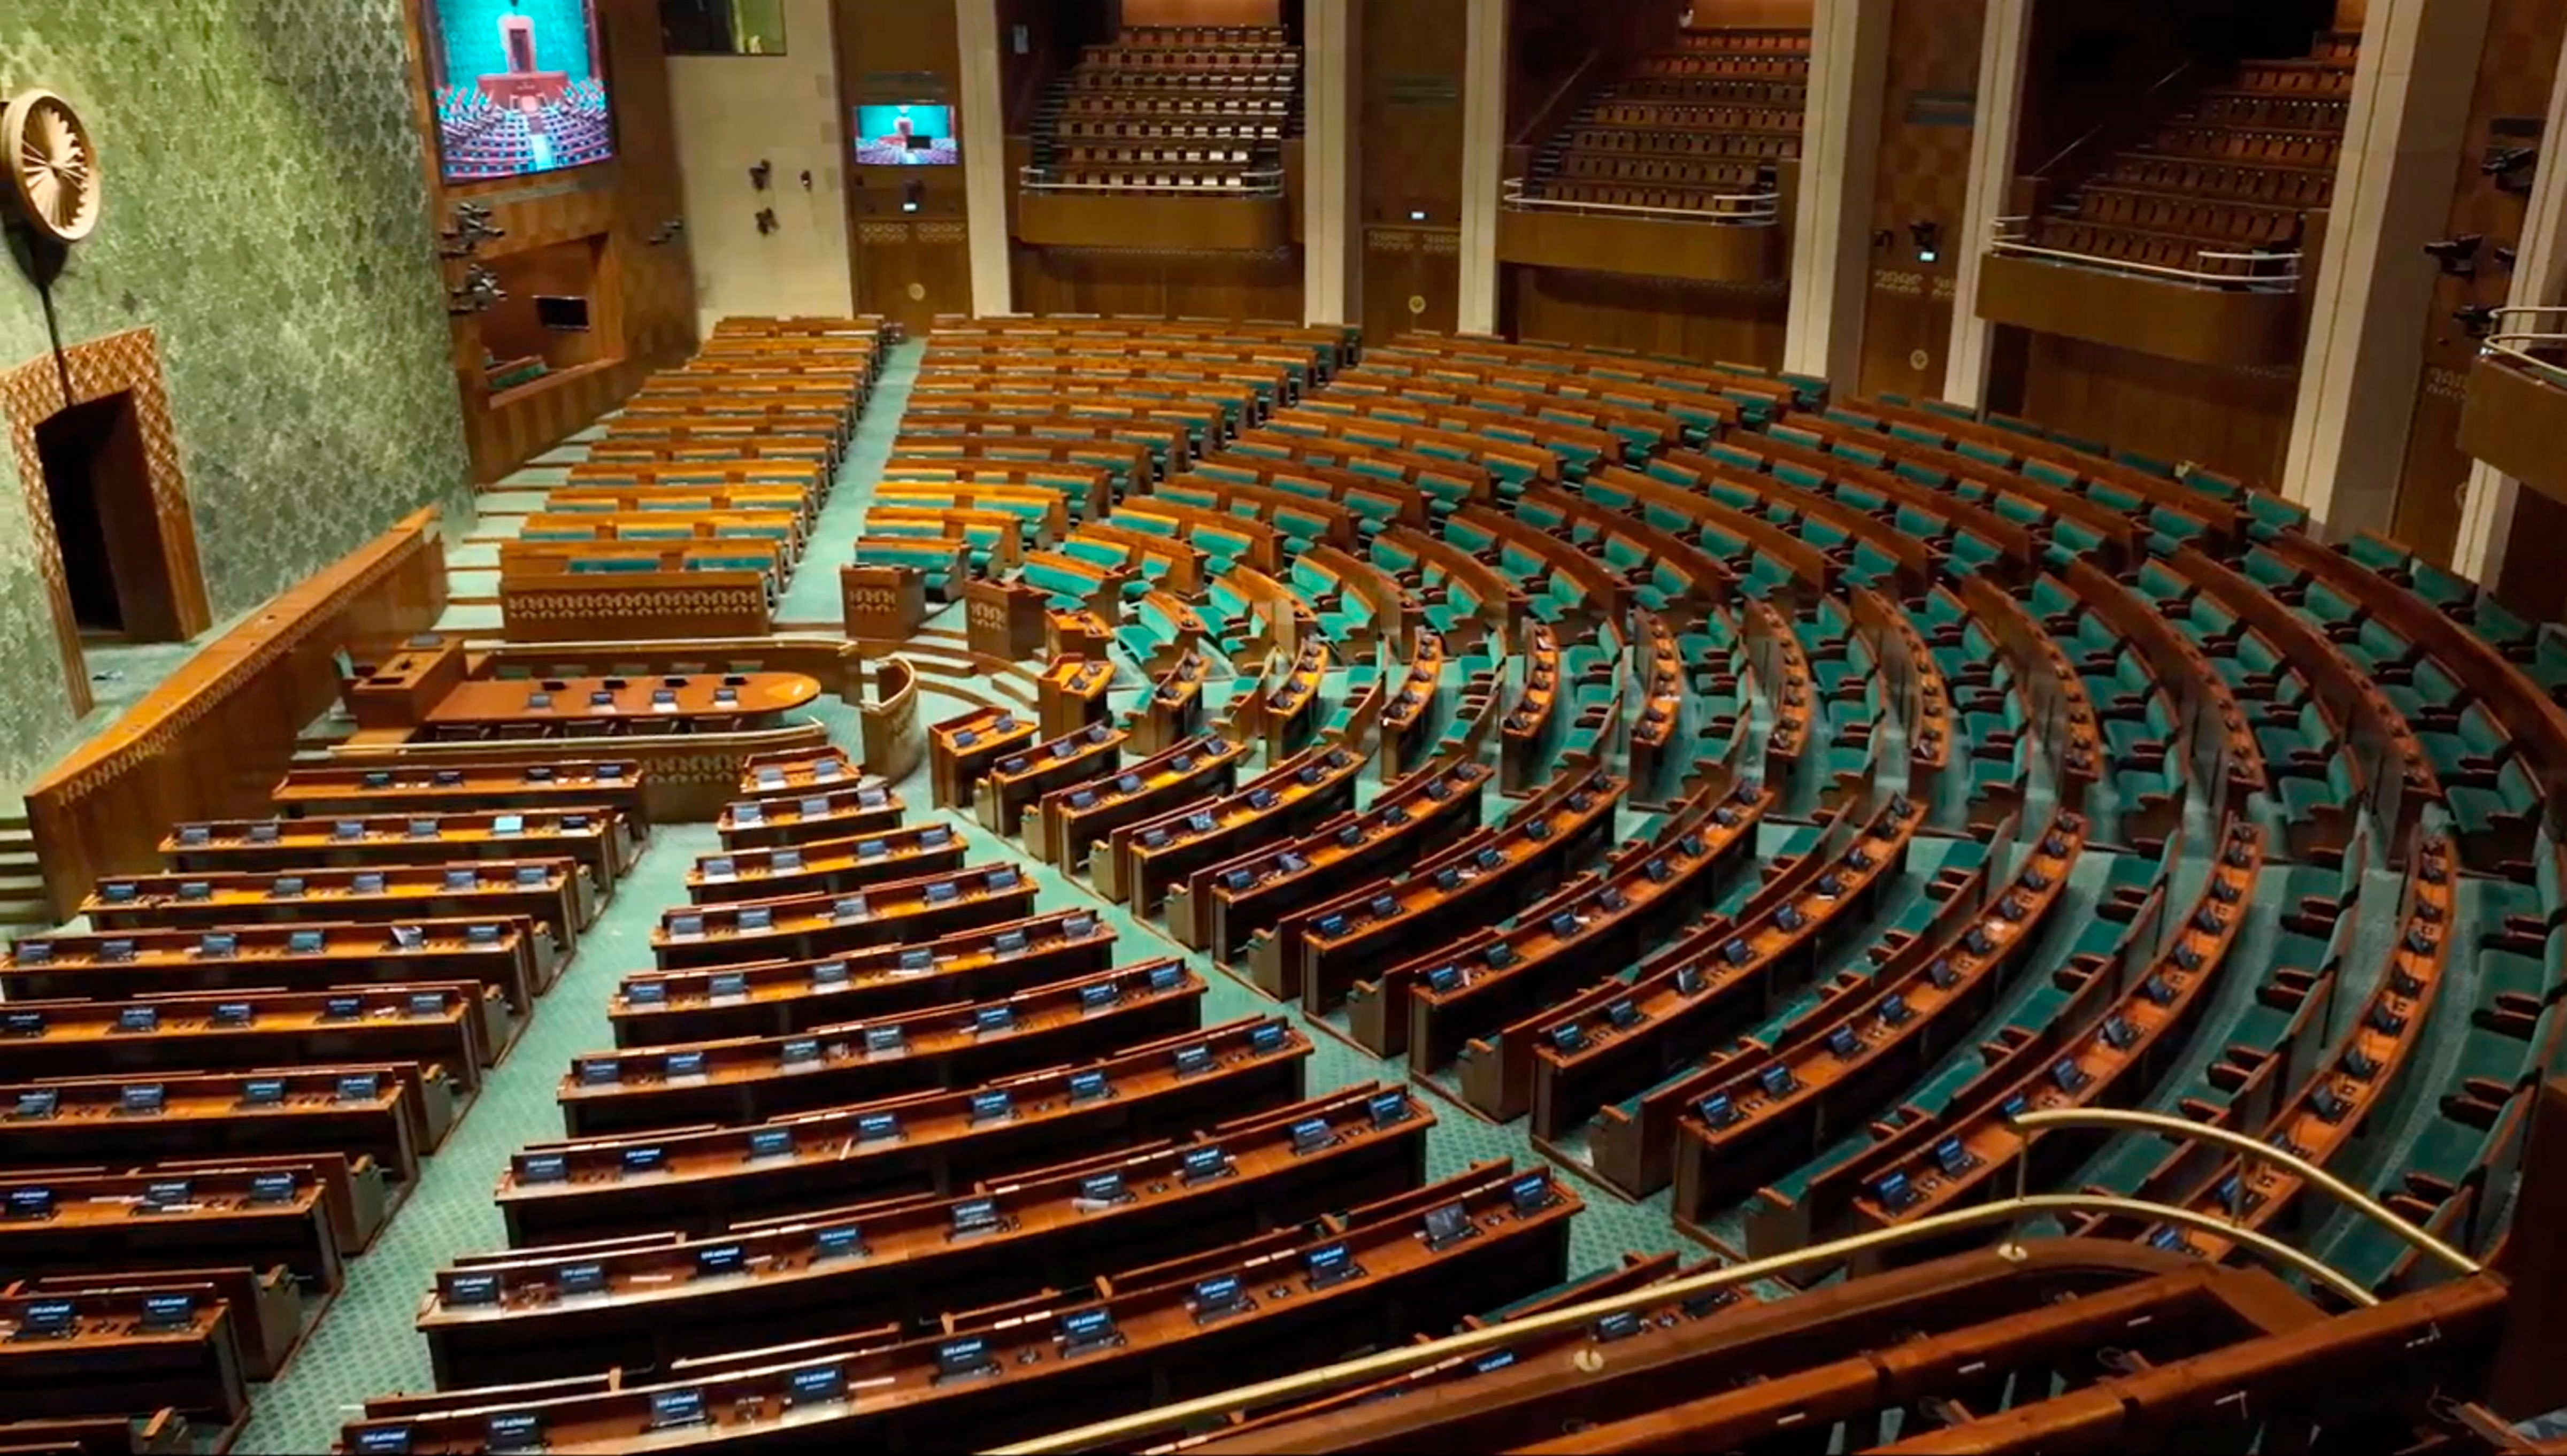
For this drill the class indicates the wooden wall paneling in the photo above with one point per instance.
(1559, 49)
(643, 307)
(1412, 280)
(1738, 323)
(1055, 32)
(1409, 137)
(2516, 66)
(893, 50)
(914, 271)
(1203, 12)
(2235, 421)
(1924, 175)
(1229, 285)
(211, 740)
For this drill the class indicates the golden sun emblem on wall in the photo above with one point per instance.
(53, 165)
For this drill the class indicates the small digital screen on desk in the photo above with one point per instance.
(604, 1071)
(36, 1104)
(720, 1259)
(472, 1288)
(770, 1142)
(169, 1311)
(167, 1193)
(1444, 1225)
(817, 1385)
(1102, 1188)
(988, 1021)
(29, 1203)
(844, 1240)
(877, 1127)
(271, 1188)
(1203, 1163)
(961, 1357)
(583, 1279)
(516, 1430)
(976, 1216)
(646, 993)
(235, 1013)
(263, 1091)
(645, 1160)
(1622, 1325)
(1193, 1059)
(359, 1086)
(218, 947)
(992, 1107)
(145, 1098)
(23, 1024)
(542, 1168)
(49, 1317)
(800, 1052)
(728, 984)
(1266, 1037)
(1218, 1295)
(683, 1065)
(1086, 1328)
(384, 1441)
(1088, 1086)
(1387, 1108)
(756, 917)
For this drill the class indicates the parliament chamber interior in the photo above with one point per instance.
(1299, 726)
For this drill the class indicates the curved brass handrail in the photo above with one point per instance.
(2033, 1124)
(1119, 1431)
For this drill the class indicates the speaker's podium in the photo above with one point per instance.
(885, 603)
(1005, 619)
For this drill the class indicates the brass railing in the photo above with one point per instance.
(1121, 1430)
(2516, 344)
(2007, 237)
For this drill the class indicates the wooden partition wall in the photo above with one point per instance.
(212, 741)
(607, 231)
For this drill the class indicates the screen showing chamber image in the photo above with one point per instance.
(520, 87)
(906, 135)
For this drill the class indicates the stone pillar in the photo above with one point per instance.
(2539, 280)
(985, 154)
(2373, 291)
(1839, 149)
(2002, 46)
(1483, 146)
(1332, 286)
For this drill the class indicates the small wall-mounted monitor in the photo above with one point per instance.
(564, 313)
(906, 135)
(520, 86)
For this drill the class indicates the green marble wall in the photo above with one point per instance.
(266, 213)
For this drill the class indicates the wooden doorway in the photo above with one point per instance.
(98, 481)
(118, 444)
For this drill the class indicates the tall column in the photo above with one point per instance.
(1839, 152)
(2539, 279)
(985, 152)
(2374, 291)
(2002, 46)
(1331, 291)
(1484, 154)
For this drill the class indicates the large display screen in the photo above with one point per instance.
(520, 87)
(906, 135)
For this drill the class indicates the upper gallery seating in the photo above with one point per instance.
(1172, 110)
(2223, 191)
(1693, 129)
